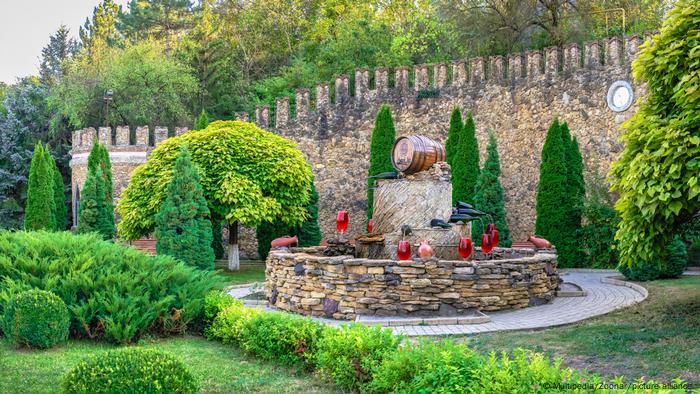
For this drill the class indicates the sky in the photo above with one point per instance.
(25, 27)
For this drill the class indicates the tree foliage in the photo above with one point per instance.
(489, 195)
(60, 48)
(40, 210)
(183, 226)
(569, 246)
(59, 197)
(202, 121)
(553, 187)
(466, 163)
(383, 137)
(658, 172)
(453, 134)
(248, 175)
(102, 29)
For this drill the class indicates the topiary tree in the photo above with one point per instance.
(489, 195)
(453, 135)
(202, 121)
(59, 197)
(36, 318)
(248, 175)
(465, 171)
(40, 212)
(383, 137)
(568, 248)
(183, 226)
(553, 187)
(657, 174)
(309, 232)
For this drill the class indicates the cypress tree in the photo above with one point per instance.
(489, 195)
(568, 248)
(99, 159)
(183, 224)
(465, 171)
(453, 135)
(202, 121)
(99, 156)
(40, 209)
(383, 137)
(59, 197)
(552, 191)
(91, 213)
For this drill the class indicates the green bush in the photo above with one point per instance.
(350, 354)
(597, 244)
(36, 318)
(113, 292)
(214, 303)
(672, 267)
(428, 367)
(282, 337)
(130, 370)
(228, 323)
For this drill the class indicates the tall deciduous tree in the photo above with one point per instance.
(489, 195)
(453, 134)
(40, 210)
(183, 223)
(657, 174)
(258, 177)
(383, 137)
(466, 164)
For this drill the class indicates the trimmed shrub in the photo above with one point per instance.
(383, 137)
(228, 323)
(40, 211)
(672, 267)
(466, 164)
(428, 367)
(36, 318)
(183, 225)
(214, 303)
(489, 196)
(350, 354)
(283, 337)
(130, 370)
(113, 292)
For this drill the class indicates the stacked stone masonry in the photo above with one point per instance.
(305, 281)
(516, 97)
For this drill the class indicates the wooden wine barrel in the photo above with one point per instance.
(416, 153)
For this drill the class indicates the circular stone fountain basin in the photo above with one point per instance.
(303, 280)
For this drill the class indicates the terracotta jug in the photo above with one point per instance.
(425, 250)
(539, 243)
(284, 242)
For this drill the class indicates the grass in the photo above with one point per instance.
(251, 271)
(658, 338)
(219, 368)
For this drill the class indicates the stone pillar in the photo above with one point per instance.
(551, 61)
(341, 89)
(160, 134)
(122, 135)
(75, 138)
(262, 116)
(282, 115)
(104, 136)
(88, 137)
(402, 79)
(439, 75)
(572, 58)
(361, 84)
(515, 66)
(459, 73)
(592, 54)
(632, 47)
(323, 97)
(421, 76)
(381, 81)
(142, 135)
(477, 71)
(534, 60)
(613, 51)
(302, 103)
(497, 68)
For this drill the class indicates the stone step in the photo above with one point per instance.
(393, 321)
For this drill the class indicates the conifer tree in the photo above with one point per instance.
(568, 248)
(59, 197)
(92, 213)
(383, 137)
(99, 159)
(453, 135)
(183, 224)
(489, 195)
(466, 164)
(40, 209)
(217, 241)
(202, 121)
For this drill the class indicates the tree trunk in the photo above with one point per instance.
(234, 260)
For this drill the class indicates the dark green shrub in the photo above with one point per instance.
(427, 93)
(673, 266)
(36, 318)
(112, 292)
(383, 137)
(40, 210)
(465, 171)
(489, 196)
(598, 247)
(350, 354)
(183, 224)
(283, 337)
(428, 367)
(130, 370)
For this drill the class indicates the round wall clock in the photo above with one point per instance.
(620, 96)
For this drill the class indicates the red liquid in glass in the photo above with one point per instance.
(403, 252)
(341, 221)
(370, 225)
(486, 245)
(494, 238)
(465, 248)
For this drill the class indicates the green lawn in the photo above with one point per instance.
(658, 338)
(219, 368)
(251, 271)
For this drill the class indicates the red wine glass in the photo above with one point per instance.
(341, 221)
(494, 237)
(404, 250)
(465, 247)
(370, 226)
(486, 244)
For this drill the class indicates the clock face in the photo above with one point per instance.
(620, 96)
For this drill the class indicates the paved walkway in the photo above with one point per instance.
(604, 294)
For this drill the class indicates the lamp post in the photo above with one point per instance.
(107, 98)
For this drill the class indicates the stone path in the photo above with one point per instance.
(605, 293)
